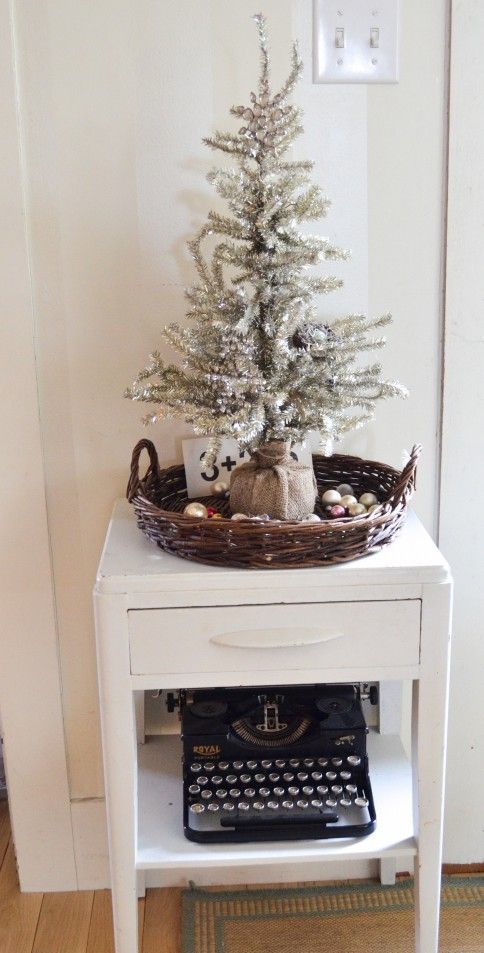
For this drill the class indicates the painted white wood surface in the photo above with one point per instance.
(162, 844)
(138, 838)
(29, 674)
(309, 637)
(462, 443)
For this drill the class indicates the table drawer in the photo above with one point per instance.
(274, 637)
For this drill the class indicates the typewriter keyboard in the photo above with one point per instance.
(305, 797)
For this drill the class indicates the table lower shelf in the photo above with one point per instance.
(162, 844)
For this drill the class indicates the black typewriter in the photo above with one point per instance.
(274, 763)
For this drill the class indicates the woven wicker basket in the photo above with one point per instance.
(160, 497)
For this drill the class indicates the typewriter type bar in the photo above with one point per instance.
(283, 763)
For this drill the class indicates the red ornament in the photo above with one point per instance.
(210, 511)
(337, 511)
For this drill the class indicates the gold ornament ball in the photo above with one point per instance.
(344, 489)
(356, 509)
(376, 506)
(220, 488)
(347, 500)
(331, 497)
(216, 516)
(197, 510)
(368, 499)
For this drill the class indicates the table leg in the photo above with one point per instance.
(120, 764)
(429, 731)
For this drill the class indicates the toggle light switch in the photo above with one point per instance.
(374, 37)
(339, 39)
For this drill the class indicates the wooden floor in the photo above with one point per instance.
(75, 922)
(81, 922)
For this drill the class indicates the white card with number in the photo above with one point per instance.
(230, 456)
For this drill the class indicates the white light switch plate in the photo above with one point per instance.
(356, 41)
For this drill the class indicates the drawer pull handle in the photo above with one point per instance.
(273, 638)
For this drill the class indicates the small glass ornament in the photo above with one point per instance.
(345, 489)
(348, 499)
(356, 509)
(220, 488)
(337, 511)
(368, 499)
(239, 516)
(331, 497)
(197, 510)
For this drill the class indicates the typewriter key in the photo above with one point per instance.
(345, 775)
(195, 768)
(234, 792)
(362, 801)
(302, 776)
(337, 762)
(302, 803)
(223, 765)
(245, 778)
(228, 806)
(280, 764)
(206, 795)
(264, 792)
(259, 805)
(217, 779)
(331, 775)
(194, 789)
(202, 780)
(266, 764)
(322, 789)
(316, 802)
(294, 763)
(259, 778)
(331, 802)
(243, 806)
(197, 808)
(354, 759)
(293, 791)
(316, 775)
(221, 793)
(252, 765)
(209, 767)
(238, 765)
(288, 805)
(231, 778)
(346, 801)
(273, 805)
(336, 789)
(279, 791)
(288, 777)
(213, 807)
(352, 789)
(249, 792)
(309, 762)
(322, 762)
(307, 789)
(274, 777)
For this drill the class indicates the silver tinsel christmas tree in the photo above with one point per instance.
(259, 364)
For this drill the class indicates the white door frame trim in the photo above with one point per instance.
(30, 685)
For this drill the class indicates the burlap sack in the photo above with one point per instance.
(273, 483)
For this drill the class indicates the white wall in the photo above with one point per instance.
(462, 521)
(115, 97)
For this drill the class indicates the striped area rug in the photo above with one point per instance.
(351, 918)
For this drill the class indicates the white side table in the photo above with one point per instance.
(162, 622)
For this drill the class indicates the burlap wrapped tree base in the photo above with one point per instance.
(273, 483)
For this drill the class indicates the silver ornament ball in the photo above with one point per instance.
(197, 510)
(220, 488)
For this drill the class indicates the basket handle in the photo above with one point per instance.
(407, 477)
(154, 468)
